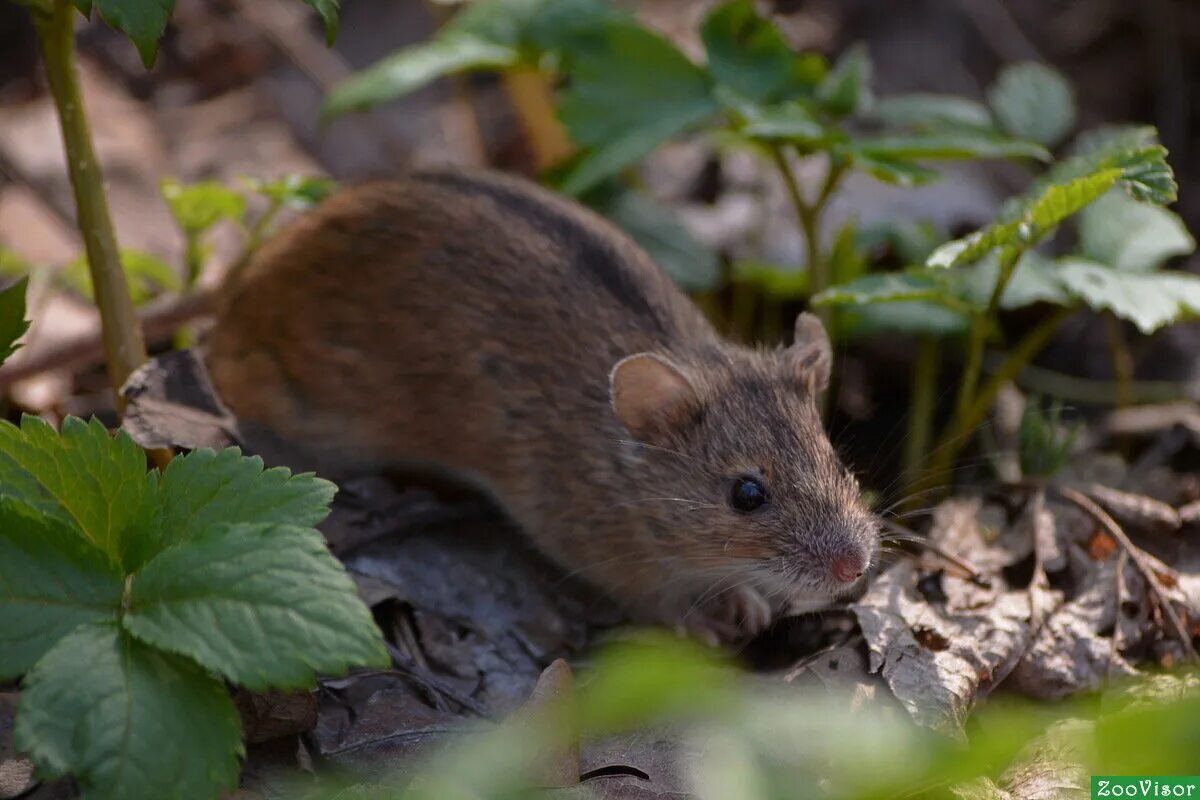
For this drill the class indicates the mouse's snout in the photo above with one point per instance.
(848, 567)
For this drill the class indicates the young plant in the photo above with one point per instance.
(997, 268)
(54, 21)
(128, 598)
(628, 90)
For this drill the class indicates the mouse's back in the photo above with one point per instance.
(465, 304)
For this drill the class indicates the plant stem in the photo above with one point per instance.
(981, 323)
(809, 216)
(533, 100)
(123, 346)
(1122, 359)
(921, 408)
(957, 433)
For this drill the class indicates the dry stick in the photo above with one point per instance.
(1114, 530)
(1122, 560)
(123, 346)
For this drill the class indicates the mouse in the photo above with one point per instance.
(477, 326)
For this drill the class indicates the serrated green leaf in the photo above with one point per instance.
(947, 145)
(411, 68)
(746, 52)
(1148, 300)
(12, 317)
(196, 207)
(297, 191)
(691, 264)
(51, 582)
(206, 488)
(628, 94)
(1033, 101)
(147, 274)
(328, 9)
(932, 112)
(263, 605)
(787, 122)
(1121, 232)
(83, 478)
(846, 90)
(1143, 174)
(128, 722)
(142, 20)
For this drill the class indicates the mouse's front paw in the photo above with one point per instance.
(734, 615)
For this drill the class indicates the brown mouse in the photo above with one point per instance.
(476, 324)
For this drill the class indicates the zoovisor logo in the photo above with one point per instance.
(1146, 786)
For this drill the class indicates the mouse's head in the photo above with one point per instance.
(738, 480)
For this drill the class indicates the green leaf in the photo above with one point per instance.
(411, 68)
(1121, 232)
(629, 92)
(932, 112)
(1033, 101)
(142, 20)
(263, 605)
(297, 191)
(147, 274)
(197, 207)
(12, 317)
(205, 488)
(83, 478)
(908, 317)
(85, 7)
(746, 52)
(691, 264)
(128, 722)
(51, 582)
(1035, 280)
(898, 172)
(1143, 174)
(1148, 300)
(788, 122)
(846, 90)
(884, 287)
(947, 145)
(328, 9)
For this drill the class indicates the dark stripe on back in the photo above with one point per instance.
(593, 253)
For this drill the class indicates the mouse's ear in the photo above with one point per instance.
(650, 394)
(810, 354)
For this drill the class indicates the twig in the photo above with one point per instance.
(434, 683)
(1122, 560)
(1114, 530)
(968, 571)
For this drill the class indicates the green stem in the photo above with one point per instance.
(193, 257)
(922, 405)
(981, 324)
(957, 433)
(123, 346)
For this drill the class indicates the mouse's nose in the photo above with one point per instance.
(847, 568)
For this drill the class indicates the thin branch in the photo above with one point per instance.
(1115, 531)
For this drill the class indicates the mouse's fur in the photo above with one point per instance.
(475, 323)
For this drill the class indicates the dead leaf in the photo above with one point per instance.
(551, 704)
(16, 772)
(274, 714)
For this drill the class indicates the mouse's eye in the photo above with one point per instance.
(748, 494)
